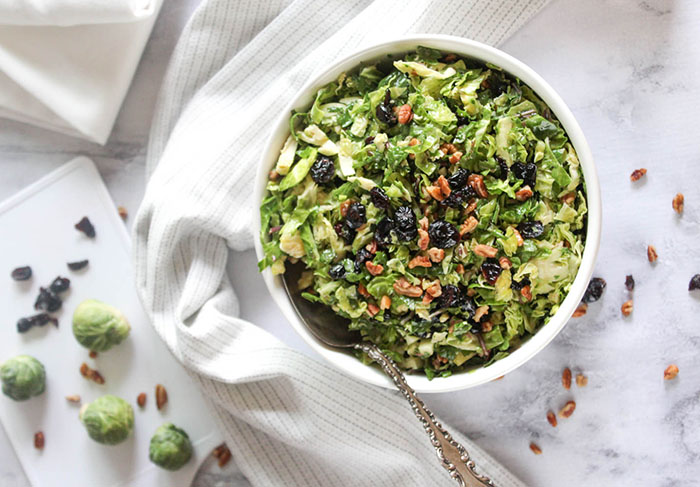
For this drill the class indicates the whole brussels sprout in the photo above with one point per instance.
(23, 377)
(99, 326)
(108, 419)
(170, 447)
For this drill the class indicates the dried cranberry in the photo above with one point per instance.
(467, 306)
(491, 270)
(344, 232)
(518, 285)
(323, 170)
(355, 217)
(527, 172)
(406, 222)
(443, 234)
(60, 284)
(458, 180)
(595, 290)
(362, 256)
(503, 168)
(384, 110)
(531, 229)
(694, 283)
(81, 264)
(382, 234)
(85, 226)
(23, 325)
(629, 283)
(460, 198)
(47, 300)
(21, 273)
(337, 272)
(450, 297)
(369, 140)
(379, 198)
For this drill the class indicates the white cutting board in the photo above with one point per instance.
(36, 229)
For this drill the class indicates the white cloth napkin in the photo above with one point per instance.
(70, 79)
(73, 12)
(289, 419)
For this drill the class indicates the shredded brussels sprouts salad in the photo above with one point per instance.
(437, 204)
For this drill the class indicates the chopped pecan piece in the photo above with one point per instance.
(567, 410)
(454, 158)
(374, 269)
(435, 192)
(371, 247)
(161, 396)
(581, 380)
(627, 308)
(535, 448)
(518, 237)
(552, 419)
(372, 309)
(419, 261)
(448, 148)
(405, 288)
(471, 206)
(413, 142)
(344, 207)
(362, 291)
(505, 263)
(436, 255)
(424, 223)
(476, 181)
(423, 239)
(405, 114)
(523, 193)
(671, 372)
(444, 186)
(39, 440)
(468, 226)
(652, 255)
(637, 174)
(580, 311)
(566, 378)
(385, 302)
(459, 268)
(526, 293)
(568, 198)
(481, 311)
(485, 250)
(141, 399)
(678, 203)
(434, 290)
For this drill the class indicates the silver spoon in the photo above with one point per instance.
(332, 330)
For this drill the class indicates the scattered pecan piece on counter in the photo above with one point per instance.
(671, 372)
(161, 396)
(39, 440)
(91, 374)
(552, 419)
(566, 378)
(580, 311)
(73, 398)
(222, 453)
(652, 255)
(627, 308)
(678, 203)
(535, 448)
(637, 174)
(567, 410)
(581, 380)
(124, 214)
(141, 400)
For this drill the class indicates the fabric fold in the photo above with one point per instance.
(289, 419)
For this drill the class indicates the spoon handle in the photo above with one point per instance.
(452, 455)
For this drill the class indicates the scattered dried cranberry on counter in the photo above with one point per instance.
(694, 283)
(85, 226)
(41, 319)
(47, 301)
(60, 285)
(21, 273)
(595, 290)
(76, 266)
(629, 283)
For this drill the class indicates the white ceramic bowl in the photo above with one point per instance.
(479, 52)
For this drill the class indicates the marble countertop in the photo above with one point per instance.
(629, 70)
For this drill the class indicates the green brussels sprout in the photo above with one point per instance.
(23, 377)
(108, 419)
(98, 326)
(170, 447)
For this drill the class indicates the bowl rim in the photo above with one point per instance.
(480, 52)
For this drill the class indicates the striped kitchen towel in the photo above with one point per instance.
(289, 419)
